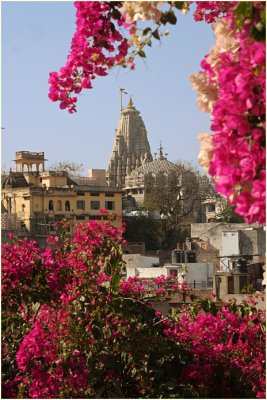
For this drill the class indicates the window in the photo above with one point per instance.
(94, 194)
(231, 285)
(242, 282)
(67, 205)
(109, 194)
(80, 193)
(59, 205)
(95, 217)
(51, 205)
(80, 204)
(110, 205)
(80, 217)
(95, 205)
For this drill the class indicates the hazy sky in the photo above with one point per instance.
(36, 38)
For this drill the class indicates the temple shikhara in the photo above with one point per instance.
(131, 148)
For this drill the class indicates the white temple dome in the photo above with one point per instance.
(154, 168)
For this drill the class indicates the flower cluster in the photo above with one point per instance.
(85, 334)
(211, 10)
(206, 148)
(133, 286)
(227, 345)
(206, 83)
(232, 88)
(19, 264)
(41, 347)
(96, 47)
(78, 333)
(142, 10)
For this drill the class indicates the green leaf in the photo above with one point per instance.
(263, 15)
(213, 309)
(205, 305)
(171, 17)
(258, 35)
(235, 338)
(116, 14)
(244, 9)
(155, 34)
(148, 42)
(141, 53)
(104, 44)
(179, 5)
(115, 282)
(145, 31)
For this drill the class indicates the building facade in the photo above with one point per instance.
(32, 201)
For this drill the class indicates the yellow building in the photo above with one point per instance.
(33, 199)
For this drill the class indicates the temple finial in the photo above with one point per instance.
(130, 104)
(160, 148)
(160, 155)
(122, 90)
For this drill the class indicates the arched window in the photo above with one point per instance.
(51, 205)
(25, 168)
(59, 205)
(67, 205)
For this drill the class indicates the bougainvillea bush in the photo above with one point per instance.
(73, 328)
(230, 86)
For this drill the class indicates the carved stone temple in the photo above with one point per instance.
(131, 148)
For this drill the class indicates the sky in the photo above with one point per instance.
(36, 39)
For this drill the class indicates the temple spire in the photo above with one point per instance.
(131, 146)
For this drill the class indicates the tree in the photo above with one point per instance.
(178, 196)
(143, 229)
(227, 214)
(70, 167)
(4, 171)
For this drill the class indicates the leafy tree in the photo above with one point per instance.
(143, 229)
(227, 214)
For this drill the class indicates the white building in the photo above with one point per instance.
(197, 275)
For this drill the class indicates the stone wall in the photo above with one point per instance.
(251, 237)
